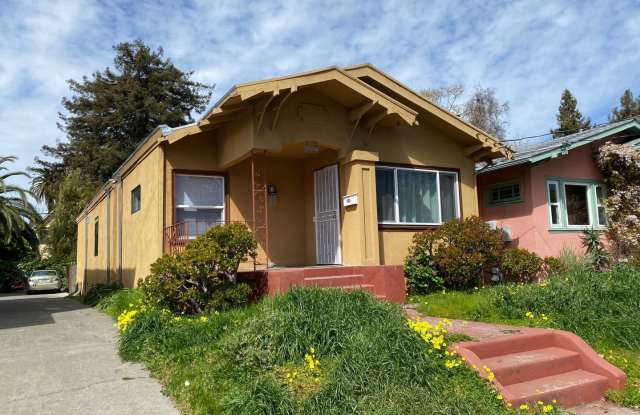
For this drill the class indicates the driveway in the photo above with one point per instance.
(58, 356)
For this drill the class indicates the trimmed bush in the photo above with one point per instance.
(460, 251)
(419, 271)
(200, 278)
(552, 265)
(520, 265)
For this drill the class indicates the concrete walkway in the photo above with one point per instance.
(479, 331)
(58, 356)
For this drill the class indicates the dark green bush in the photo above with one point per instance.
(460, 250)
(99, 292)
(198, 279)
(520, 265)
(553, 265)
(9, 273)
(419, 271)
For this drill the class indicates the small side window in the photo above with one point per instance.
(504, 193)
(602, 218)
(96, 236)
(136, 201)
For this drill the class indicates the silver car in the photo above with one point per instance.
(44, 280)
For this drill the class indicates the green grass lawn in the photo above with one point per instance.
(252, 360)
(603, 308)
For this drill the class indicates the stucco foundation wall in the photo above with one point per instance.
(529, 220)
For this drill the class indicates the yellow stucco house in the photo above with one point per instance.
(336, 167)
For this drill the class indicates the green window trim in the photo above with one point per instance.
(504, 193)
(557, 213)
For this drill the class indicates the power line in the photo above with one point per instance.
(574, 130)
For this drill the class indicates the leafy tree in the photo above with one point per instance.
(17, 214)
(106, 117)
(629, 107)
(485, 112)
(73, 194)
(570, 119)
(109, 113)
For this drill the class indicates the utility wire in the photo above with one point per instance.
(574, 130)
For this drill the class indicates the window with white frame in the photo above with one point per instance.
(554, 204)
(408, 196)
(199, 201)
(575, 204)
(602, 219)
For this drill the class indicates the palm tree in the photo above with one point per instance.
(18, 216)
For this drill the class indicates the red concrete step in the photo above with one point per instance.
(364, 287)
(568, 389)
(524, 366)
(335, 280)
(543, 365)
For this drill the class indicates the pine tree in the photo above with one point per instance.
(106, 117)
(570, 119)
(629, 107)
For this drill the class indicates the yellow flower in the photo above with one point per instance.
(524, 407)
(499, 397)
(547, 408)
(529, 314)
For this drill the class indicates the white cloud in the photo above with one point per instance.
(528, 51)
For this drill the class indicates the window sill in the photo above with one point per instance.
(580, 230)
(405, 227)
(505, 203)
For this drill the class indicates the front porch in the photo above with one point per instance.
(385, 282)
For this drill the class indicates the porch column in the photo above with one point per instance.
(360, 220)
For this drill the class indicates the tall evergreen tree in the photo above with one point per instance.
(570, 119)
(629, 107)
(105, 118)
(108, 114)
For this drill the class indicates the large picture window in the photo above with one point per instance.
(199, 201)
(407, 196)
(575, 204)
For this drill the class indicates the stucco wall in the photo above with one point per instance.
(529, 220)
(142, 230)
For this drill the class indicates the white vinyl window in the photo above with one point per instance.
(554, 204)
(602, 219)
(199, 201)
(407, 196)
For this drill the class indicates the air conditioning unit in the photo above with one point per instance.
(493, 224)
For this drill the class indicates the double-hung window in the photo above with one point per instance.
(408, 196)
(199, 202)
(575, 205)
(504, 193)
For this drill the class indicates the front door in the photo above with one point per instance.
(327, 218)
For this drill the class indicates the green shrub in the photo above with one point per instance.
(520, 265)
(419, 271)
(118, 301)
(230, 295)
(460, 250)
(591, 240)
(552, 265)
(9, 273)
(189, 282)
(100, 291)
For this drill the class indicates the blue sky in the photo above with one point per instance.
(528, 51)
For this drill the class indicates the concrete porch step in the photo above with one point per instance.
(335, 280)
(524, 366)
(568, 389)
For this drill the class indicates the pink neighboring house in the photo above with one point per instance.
(549, 193)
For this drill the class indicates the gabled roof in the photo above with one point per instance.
(556, 147)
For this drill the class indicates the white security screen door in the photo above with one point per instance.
(327, 219)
